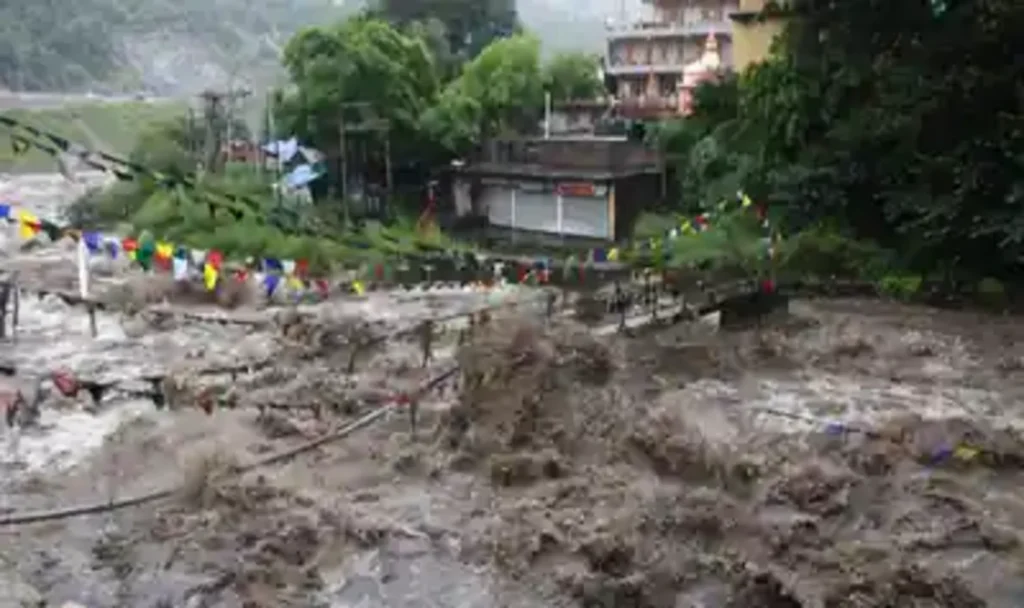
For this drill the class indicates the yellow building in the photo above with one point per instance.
(754, 27)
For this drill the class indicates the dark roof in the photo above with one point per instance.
(771, 11)
(522, 170)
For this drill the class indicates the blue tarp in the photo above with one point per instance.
(284, 150)
(301, 176)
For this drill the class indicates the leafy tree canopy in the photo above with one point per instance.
(498, 92)
(468, 25)
(572, 76)
(362, 60)
(889, 120)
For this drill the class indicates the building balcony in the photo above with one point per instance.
(650, 30)
(647, 106)
(643, 69)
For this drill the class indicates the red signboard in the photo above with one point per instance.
(576, 189)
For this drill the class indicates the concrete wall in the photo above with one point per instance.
(593, 154)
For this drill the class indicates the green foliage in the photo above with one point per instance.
(505, 80)
(204, 218)
(900, 287)
(654, 225)
(468, 25)
(573, 76)
(116, 126)
(403, 69)
(992, 293)
(350, 73)
(195, 218)
(434, 34)
(699, 148)
(455, 121)
(502, 92)
(358, 60)
(367, 60)
(734, 244)
(903, 128)
(824, 252)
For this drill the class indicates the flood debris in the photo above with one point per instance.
(624, 501)
(141, 290)
(591, 471)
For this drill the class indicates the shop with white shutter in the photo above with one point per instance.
(522, 196)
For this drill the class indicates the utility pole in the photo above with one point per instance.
(190, 130)
(343, 167)
(369, 123)
(272, 135)
(213, 112)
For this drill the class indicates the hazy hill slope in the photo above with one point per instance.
(566, 25)
(112, 45)
(181, 46)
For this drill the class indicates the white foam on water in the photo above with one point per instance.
(811, 402)
(52, 335)
(65, 439)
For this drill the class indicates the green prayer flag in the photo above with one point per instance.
(570, 264)
(145, 253)
(19, 145)
(52, 230)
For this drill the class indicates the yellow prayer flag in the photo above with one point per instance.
(295, 282)
(358, 288)
(613, 255)
(28, 224)
(746, 200)
(164, 250)
(686, 227)
(209, 276)
(965, 453)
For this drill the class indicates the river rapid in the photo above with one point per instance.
(624, 511)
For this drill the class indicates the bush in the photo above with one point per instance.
(823, 252)
(900, 287)
(991, 292)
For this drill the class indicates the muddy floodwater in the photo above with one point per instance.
(855, 454)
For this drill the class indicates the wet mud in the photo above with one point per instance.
(855, 454)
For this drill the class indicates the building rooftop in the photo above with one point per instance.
(567, 138)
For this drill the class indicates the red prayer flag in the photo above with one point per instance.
(215, 259)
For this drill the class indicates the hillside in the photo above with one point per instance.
(564, 25)
(112, 127)
(158, 45)
(180, 47)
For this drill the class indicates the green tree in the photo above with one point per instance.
(902, 124)
(499, 92)
(469, 25)
(362, 60)
(573, 76)
(701, 149)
